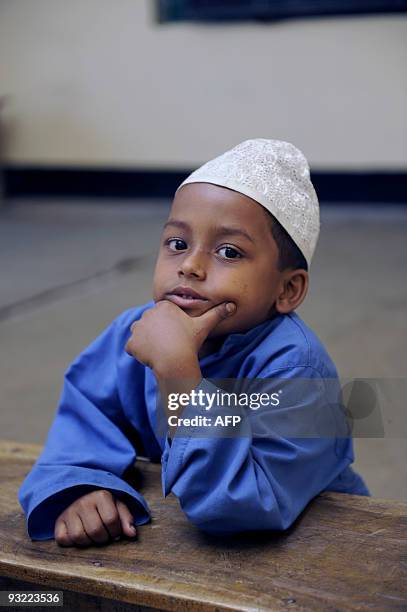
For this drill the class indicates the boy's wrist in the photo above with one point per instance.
(179, 377)
(181, 368)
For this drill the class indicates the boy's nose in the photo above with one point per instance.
(192, 266)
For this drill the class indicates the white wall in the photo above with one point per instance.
(98, 82)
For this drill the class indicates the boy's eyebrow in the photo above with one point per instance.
(221, 230)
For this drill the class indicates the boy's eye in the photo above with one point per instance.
(230, 252)
(176, 244)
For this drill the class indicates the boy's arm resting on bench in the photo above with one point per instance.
(86, 448)
(251, 481)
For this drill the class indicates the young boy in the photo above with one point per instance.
(231, 270)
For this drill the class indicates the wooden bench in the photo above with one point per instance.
(344, 552)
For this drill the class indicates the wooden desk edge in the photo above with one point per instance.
(27, 452)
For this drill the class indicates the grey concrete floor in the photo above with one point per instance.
(68, 268)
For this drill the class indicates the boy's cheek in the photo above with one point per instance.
(155, 291)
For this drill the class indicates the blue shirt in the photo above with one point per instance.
(224, 484)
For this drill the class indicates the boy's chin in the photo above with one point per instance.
(192, 312)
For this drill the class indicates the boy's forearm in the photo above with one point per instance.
(180, 377)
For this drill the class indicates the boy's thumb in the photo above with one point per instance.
(126, 519)
(230, 308)
(216, 314)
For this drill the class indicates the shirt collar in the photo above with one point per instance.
(238, 340)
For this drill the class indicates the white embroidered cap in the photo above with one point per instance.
(275, 174)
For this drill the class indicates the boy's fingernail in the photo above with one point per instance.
(230, 307)
(117, 538)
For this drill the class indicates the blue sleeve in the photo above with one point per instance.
(86, 448)
(252, 481)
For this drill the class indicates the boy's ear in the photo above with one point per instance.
(294, 287)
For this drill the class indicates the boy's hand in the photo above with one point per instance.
(167, 336)
(94, 518)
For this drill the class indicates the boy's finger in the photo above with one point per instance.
(109, 515)
(61, 534)
(94, 526)
(76, 530)
(126, 519)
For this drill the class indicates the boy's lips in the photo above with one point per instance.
(186, 297)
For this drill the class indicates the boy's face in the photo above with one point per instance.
(203, 248)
